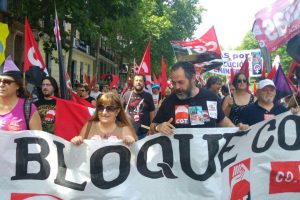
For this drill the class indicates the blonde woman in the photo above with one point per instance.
(109, 120)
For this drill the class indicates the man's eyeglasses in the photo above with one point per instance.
(242, 80)
(101, 108)
(46, 85)
(6, 81)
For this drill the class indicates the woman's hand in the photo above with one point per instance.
(128, 140)
(77, 140)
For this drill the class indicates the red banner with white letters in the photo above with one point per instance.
(277, 24)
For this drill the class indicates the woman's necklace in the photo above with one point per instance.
(107, 133)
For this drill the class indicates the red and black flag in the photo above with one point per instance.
(204, 52)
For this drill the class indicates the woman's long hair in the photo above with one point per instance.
(21, 92)
(236, 78)
(111, 98)
(54, 85)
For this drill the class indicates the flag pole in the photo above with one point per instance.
(62, 73)
(131, 89)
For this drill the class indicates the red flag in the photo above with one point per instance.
(70, 118)
(86, 78)
(32, 55)
(292, 85)
(103, 76)
(294, 64)
(164, 79)
(57, 31)
(155, 79)
(263, 70)
(68, 81)
(272, 34)
(77, 99)
(92, 81)
(272, 73)
(245, 67)
(145, 67)
(275, 66)
(62, 71)
(135, 68)
(114, 82)
(159, 78)
(204, 52)
(231, 75)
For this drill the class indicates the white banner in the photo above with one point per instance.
(235, 59)
(213, 163)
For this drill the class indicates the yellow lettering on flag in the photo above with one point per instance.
(3, 35)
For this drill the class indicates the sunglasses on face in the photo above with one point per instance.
(6, 81)
(101, 108)
(242, 80)
(82, 90)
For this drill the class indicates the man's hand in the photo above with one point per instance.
(166, 127)
(243, 127)
(295, 111)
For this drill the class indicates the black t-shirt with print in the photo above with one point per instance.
(46, 109)
(139, 107)
(89, 99)
(202, 110)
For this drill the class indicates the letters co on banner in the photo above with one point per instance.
(215, 163)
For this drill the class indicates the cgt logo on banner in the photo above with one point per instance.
(211, 163)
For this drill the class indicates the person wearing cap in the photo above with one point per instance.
(264, 108)
(12, 101)
(156, 95)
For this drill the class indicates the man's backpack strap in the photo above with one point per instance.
(27, 111)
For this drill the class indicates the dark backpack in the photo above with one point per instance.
(27, 111)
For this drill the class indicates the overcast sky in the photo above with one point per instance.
(232, 19)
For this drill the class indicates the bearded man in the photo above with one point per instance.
(46, 105)
(139, 106)
(264, 108)
(188, 106)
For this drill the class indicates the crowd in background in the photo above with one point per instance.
(132, 113)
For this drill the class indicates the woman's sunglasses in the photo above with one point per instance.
(6, 81)
(242, 80)
(101, 108)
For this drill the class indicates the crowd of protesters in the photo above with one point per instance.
(135, 113)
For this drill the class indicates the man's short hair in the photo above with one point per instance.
(86, 87)
(212, 80)
(142, 75)
(188, 68)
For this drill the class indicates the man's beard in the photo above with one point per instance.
(47, 94)
(186, 94)
(138, 88)
(267, 99)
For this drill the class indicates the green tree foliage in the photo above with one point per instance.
(126, 25)
(160, 20)
(249, 42)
